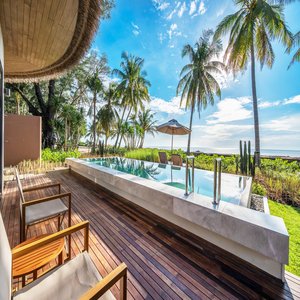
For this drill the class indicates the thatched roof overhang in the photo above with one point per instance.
(45, 38)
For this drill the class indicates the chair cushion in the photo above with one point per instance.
(38, 212)
(68, 282)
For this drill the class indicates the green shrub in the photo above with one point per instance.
(58, 156)
(258, 189)
(151, 154)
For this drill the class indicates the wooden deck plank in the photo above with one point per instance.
(164, 261)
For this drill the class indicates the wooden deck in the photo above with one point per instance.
(164, 261)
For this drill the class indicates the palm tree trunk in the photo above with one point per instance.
(122, 118)
(66, 133)
(18, 107)
(255, 110)
(94, 129)
(125, 121)
(106, 138)
(142, 141)
(190, 134)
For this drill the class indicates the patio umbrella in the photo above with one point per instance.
(173, 127)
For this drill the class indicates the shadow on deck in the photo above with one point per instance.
(164, 261)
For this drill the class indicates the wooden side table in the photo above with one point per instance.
(33, 261)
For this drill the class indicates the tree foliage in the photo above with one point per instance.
(197, 85)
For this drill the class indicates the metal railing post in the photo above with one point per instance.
(192, 158)
(187, 177)
(217, 180)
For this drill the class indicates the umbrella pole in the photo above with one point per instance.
(172, 144)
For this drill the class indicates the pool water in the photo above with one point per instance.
(232, 186)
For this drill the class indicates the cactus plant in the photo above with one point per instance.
(245, 162)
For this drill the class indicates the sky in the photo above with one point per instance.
(157, 30)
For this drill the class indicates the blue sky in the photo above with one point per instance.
(156, 30)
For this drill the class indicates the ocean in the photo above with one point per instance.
(271, 152)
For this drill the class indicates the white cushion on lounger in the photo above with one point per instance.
(68, 282)
(43, 210)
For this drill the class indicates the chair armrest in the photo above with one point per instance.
(41, 187)
(18, 252)
(36, 201)
(107, 282)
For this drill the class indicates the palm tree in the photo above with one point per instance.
(296, 42)
(133, 86)
(95, 86)
(146, 123)
(107, 114)
(252, 28)
(198, 85)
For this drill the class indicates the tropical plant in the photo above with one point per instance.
(296, 43)
(95, 85)
(74, 126)
(251, 30)
(90, 133)
(145, 121)
(45, 99)
(133, 88)
(198, 85)
(107, 114)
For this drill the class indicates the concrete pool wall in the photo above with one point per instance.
(258, 238)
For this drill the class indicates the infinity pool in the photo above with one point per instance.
(232, 186)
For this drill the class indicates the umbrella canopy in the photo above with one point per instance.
(173, 127)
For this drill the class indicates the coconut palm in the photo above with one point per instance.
(107, 114)
(296, 43)
(133, 86)
(94, 84)
(198, 85)
(251, 30)
(145, 120)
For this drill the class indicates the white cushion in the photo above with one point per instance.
(68, 282)
(44, 210)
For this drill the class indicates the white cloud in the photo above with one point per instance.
(193, 7)
(268, 104)
(172, 31)
(135, 26)
(160, 5)
(136, 29)
(181, 10)
(160, 37)
(173, 26)
(163, 6)
(220, 12)
(287, 123)
(293, 100)
(170, 16)
(231, 109)
(202, 8)
(170, 107)
(221, 131)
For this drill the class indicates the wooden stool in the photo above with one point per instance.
(32, 262)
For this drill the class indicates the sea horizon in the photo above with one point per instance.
(271, 152)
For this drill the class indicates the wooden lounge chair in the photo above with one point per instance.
(76, 279)
(176, 160)
(163, 159)
(39, 210)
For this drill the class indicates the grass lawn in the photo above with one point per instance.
(291, 217)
